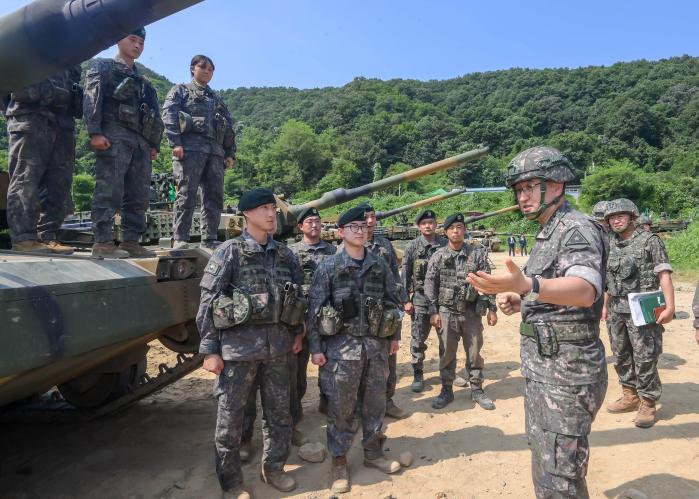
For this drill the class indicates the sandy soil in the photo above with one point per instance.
(162, 446)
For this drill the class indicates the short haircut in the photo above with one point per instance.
(198, 59)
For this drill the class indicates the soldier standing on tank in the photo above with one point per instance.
(200, 131)
(122, 116)
(350, 339)
(381, 246)
(637, 263)
(257, 347)
(456, 308)
(560, 298)
(415, 258)
(41, 129)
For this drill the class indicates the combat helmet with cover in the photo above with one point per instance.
(644, 220)
(542, 162)
(621, 205)
(599, 209)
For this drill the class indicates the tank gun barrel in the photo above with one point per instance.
(475, 218)
(417, 204)
(339, 196)
(46, 36)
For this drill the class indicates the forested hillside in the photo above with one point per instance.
(631, 129)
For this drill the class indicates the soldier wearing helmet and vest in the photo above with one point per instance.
(637, 262)
(644, 222)
(598, 211)
(559, 295)
(199, 129)
(250, 312)
(353, 327)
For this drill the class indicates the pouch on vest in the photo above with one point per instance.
(446, 297)
(419, 270)
(329, 321)
(220, 123)
(231, 309)
(125, 90)
(128, 115)
(390, 323)
(186, 124)
(546, 340)
(374, 315)
(153, 128)
(294, 306)
(482, 304)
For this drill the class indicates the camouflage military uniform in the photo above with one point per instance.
(258, 349)
(41, 128)
(415, 258)
(122, 105)
(448, 294)
(632, 267)
(565, 370)
(357, 363)
(196, 118)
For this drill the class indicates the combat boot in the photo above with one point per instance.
(298, 438)
(628, 401)
(58, 248)
(245, 450)
(393, 411)
(446, 397)
(31, 246)
(237, 493)
(180, 245)
(388, 466)
(108, 250)
(135, 250)
(279, 479)
(339, 475)
(479, 397)
(645, 418)
(418, 384)
(211, 244)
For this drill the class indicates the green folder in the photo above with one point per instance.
(649, 303)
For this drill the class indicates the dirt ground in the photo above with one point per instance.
(162, 446)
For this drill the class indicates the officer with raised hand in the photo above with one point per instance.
(353, 327)
(559, 295)
(248, 318)
(200, 131)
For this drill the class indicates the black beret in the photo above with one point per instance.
(355, 214)
(456, 217)
(423, 215)
(366, 207)
(308, 212)
(254, 198)
(139, 32)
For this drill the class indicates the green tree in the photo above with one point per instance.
(83, 187)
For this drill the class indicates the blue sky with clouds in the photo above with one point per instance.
(314, 43)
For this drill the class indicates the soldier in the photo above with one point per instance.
(560, 298)
(644, 222)
(310, 251)
(637, 262)
(455, 309)
(381, 246)
(415, 258)
(121, 115)
(598, 211)
(41, 129)
(199, 129)
(353, 327)
(247, 325)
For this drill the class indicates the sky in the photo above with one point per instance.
(314, 43)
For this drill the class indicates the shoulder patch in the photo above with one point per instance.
(212, 268)
(576, 239)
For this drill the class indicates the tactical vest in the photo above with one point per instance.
(454, 292)
(205, 109)
(264, 286)
(59, 94)
(346, 294)
(123, 90)
(629, 269)
(422, 258)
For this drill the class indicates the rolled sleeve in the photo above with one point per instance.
(588, 274)
(662, 267)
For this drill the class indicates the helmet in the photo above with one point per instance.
(599, 209)
(621, 205)
(539, 162)
(644, 220)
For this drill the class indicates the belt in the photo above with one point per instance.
(565, 331)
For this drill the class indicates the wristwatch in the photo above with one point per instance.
(533, 295)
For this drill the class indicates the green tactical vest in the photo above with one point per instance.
(629, 270)
(422, 258)
(122, 97)
(344, 285)
(264, 286)
(454, 292)
(204, 108)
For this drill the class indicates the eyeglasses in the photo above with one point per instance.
(526, 189)
(357, 228)
(311, 221)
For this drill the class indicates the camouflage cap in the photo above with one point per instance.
(644, 220)
(539, 162)
(599, 209)
(621, 205)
